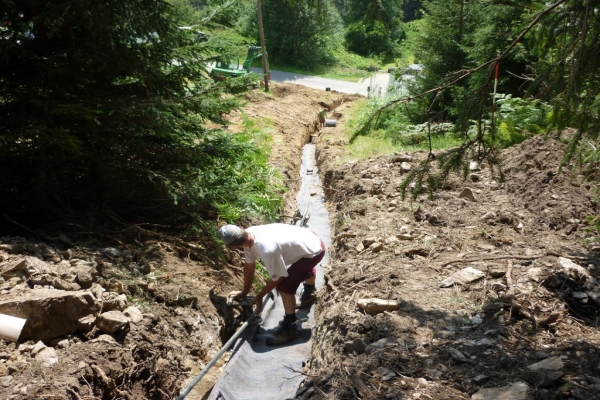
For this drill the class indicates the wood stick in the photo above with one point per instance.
(548, 253)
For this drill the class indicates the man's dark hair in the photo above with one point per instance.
(240, 240)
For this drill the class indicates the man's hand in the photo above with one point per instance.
(259, 304)
(237, 293)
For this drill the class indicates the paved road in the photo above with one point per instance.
(380, 79)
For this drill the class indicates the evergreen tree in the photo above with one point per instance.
(544, 51)
(104, 106)
(299, 33)
(370, 22)
(411, 9)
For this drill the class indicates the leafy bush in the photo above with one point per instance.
(246, 188)
(416, 134)
(346, 59)
(517, 119)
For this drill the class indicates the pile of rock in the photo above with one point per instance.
(59, 294)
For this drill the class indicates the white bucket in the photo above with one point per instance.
(11, 327)
(330, 122)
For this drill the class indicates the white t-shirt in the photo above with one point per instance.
(281, 245)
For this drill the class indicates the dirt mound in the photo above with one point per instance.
(441, 298)
(559, 198)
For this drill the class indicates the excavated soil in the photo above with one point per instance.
(536, 296)
(435, 336)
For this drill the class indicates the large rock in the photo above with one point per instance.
(22, 267)
(49, 313)
(514, 391)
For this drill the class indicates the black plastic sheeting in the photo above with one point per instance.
(255, 370)
(258, 371)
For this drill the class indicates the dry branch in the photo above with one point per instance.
(548, 253)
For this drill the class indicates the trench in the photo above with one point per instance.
(258, 371)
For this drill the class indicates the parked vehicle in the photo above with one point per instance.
(223, 70)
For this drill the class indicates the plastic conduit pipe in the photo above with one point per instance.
(11, 327)
(215, 358)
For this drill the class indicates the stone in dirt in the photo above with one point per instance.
(6, 380)
(357, 346)
(467, 193)
(458, 356)
(544, 373)
(575, 270)
(49, 313)
(535, 274)
(550, 364)
(405, 167)
(376, 247)
(111, 321)
(594, 296)
(377, 346)
(514, 391)
(134, 314)
(402, 158)
(39, 346)
(465, 275)
(375, 306)
(444, 334)
(47, 356)
(387, 374)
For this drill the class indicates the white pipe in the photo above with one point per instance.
(11, 327)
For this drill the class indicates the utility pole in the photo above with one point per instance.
(265, 63)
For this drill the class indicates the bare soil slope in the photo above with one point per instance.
(530, 294)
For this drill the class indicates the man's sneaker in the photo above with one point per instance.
(283, 334)
(307, 298)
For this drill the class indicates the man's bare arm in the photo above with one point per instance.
(258, 300)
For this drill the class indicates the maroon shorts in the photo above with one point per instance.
(300, 271)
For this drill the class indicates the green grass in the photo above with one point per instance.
(349, 67)
(375, 143)
(413, 30)
(367, 146)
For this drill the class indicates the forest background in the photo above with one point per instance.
(108, 115)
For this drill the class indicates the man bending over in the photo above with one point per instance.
(290, 255)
